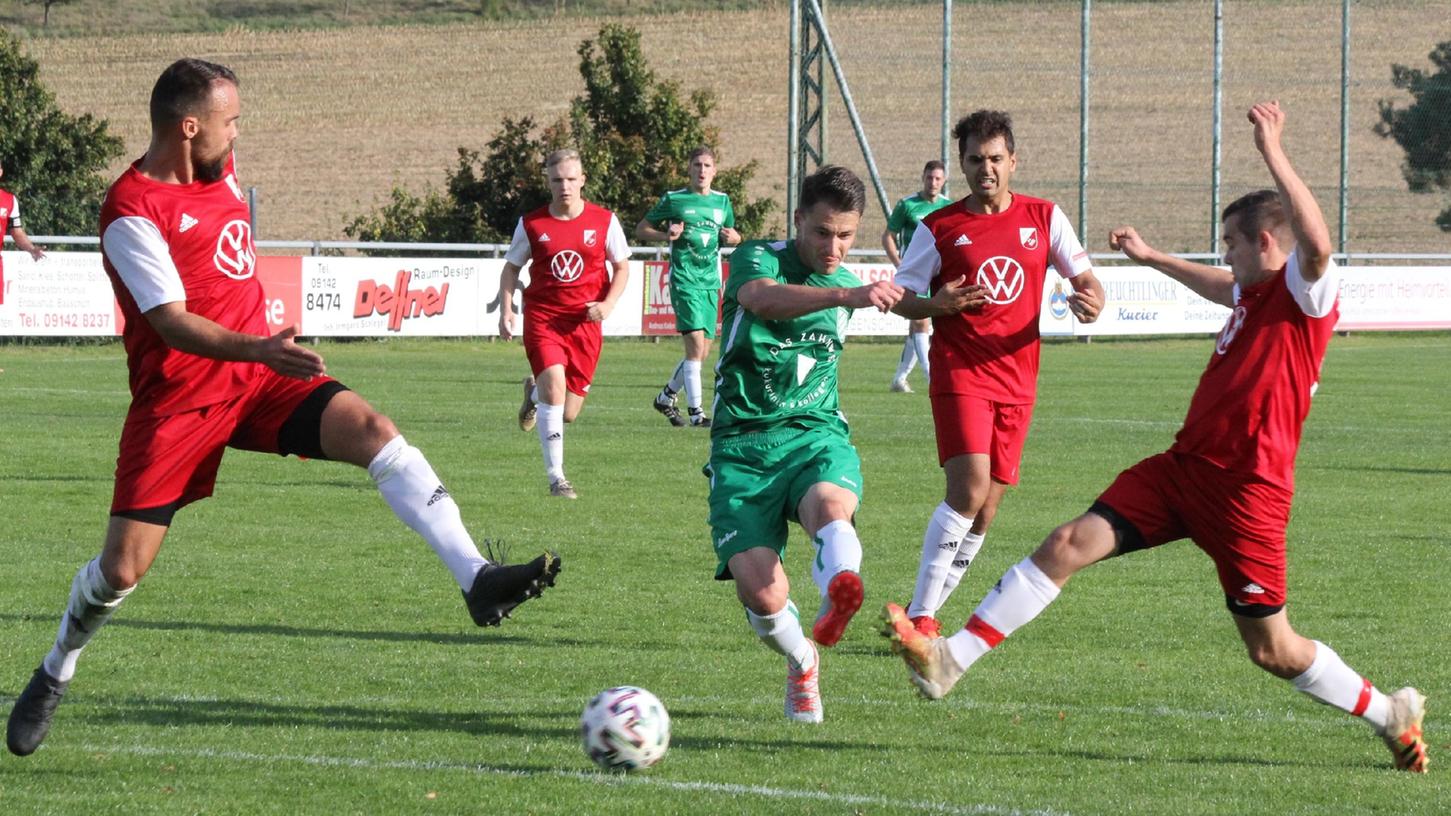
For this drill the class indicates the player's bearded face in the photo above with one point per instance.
(988, 166)
(824, 235)
(216, 133)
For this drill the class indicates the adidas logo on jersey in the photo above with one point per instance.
(1253, 589)
(187, 222)
(962, 240)
(544, 238)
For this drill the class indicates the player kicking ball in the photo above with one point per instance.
(780, 450)
(205, 376)
(1228, 480)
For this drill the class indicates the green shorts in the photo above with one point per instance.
(757, 480)
(695, 310)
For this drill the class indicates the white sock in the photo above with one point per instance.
(921, 342)
(677, 379)
(909, 358)
(837, 549)
(91, 604)
(419, 499)
(966, 551)
(1020, 595)
(692, 384)
(1332, 682)
(939, 546)
(550, 425)
(782, 633)
(534, 393)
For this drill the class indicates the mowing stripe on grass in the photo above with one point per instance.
(597, 778)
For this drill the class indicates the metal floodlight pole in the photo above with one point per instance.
(946, 83)
(851, 111)
(793, 119)
(1345, 119)
(1218, 115)
(1083, 122)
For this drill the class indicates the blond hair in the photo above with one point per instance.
(562, 155)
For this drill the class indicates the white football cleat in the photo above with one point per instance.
(803, 690)
(1403, 730)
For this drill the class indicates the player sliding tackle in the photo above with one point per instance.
(1227, 481)
(780, 450)
(206, 376)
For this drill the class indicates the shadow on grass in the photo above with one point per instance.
(1405, 471)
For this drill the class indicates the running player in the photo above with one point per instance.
(206, 376)
(1228, 480)
(569, 242)
(984, 361)
(696, 220)
(901, 224)
(780, 449)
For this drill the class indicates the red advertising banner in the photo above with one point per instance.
(281, 279)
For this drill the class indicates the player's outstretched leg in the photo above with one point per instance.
(837, 573)
(499, 588)
(527, 409)
(934, 671)
(1403, 730)
(33, 711)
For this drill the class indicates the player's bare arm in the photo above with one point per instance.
(645, 231)
(780, 301)
(729, 236)
(1312, 236)
(508, 279)
(1209, 282)
(889, 243)
(955, 296)
(598, 311)
(1087, 299)
(24, 244)
(197, 335)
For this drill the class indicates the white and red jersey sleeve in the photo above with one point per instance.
(9, 213)
(192, 243)
(568, 257)
(991, 352)
(1248, 411)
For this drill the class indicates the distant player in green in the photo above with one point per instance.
(900, 226)
(780, 448)
(696, 220)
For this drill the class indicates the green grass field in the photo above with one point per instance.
(296, 650)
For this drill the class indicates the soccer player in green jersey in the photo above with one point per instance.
(780, 448)
(900, 226)
(696, 220)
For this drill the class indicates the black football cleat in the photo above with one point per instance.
(34, 708)
(498, 588)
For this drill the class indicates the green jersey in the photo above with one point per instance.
(778, 374)
(695, 255)
(903, 220)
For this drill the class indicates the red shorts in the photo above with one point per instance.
(172, 460)
(574, 344)
(1239, 522)
(967, 424)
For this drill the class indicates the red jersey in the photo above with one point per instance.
(1251, 403)
(9, 219)
(991, 352)
(568, 257)
(191, 243)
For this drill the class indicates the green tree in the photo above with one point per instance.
(53, 160)
(633, 132)
(1423, 128)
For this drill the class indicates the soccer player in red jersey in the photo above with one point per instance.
(205, 376)
(568, 244)
(984, 359)
(1227, 481)
(10, 224)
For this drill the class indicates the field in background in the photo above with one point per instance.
(334, 118)
(296, 650)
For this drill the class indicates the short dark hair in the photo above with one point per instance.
(984, 125)
(933, 165)
(1260, 211)
(703, 150)
(837, 186)
(184, 89)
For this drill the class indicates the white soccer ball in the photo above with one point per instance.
(625, 729)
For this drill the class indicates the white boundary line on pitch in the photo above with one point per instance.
(601, 778)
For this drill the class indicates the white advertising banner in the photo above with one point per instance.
(870, 321)
(65, 294)
(1395, 298)
(1140, 300)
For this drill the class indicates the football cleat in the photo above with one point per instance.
(843, 599)
(901, 387)
(498, 588)
(1403, 730)
(34, 708)
(527, 409)
(665, 404)
(803, 690)
(934, 672)
(563, 489)
(927, 625)
(698, 419)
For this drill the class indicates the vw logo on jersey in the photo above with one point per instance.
(1002, 277)
(1231, 328)
(1029, 237)
(235, 256)
(567, 266)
